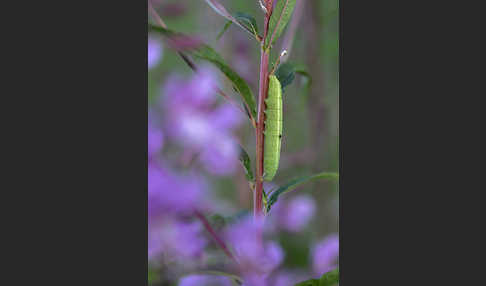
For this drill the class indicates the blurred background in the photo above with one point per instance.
(310, 123)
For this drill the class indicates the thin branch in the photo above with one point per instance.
(187, 60)
(262, 93)
(214, 235)
(283, 54)
(156, 16)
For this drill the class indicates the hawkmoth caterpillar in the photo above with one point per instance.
(273, 128)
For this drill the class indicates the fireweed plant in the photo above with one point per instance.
(179, 197)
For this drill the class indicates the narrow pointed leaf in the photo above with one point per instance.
(296, 182)
(244, 19)
(245, 162)
(264, 198)
(248, 21)
(302, 70)
(279, 19)
(285, 74)
(223, 12)
(226, 26)
(152, 276)
(330, 278)
(178, 41)
(161, 30)
(207, 53)
(310, 282)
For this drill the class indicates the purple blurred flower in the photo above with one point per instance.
(155, 52)
(155, 243)
(193, 280)
(226, 117)
(189, 95)
(197, 125)
(170, 193)
(256, 258)
(204, 280)
(254, 279)
(286, 278)
(283, 280)
(293, 215)
(171, 196)
(187, 239)
(325, 254)
(176, 239)
(155, 140)
(298, 212)
(220, 157)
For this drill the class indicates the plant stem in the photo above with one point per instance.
(155, 15)
(215, 236)
(262, 94)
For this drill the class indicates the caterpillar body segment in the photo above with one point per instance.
(273, 128)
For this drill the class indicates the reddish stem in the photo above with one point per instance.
(156, 16)
(214, 235)
(262, 93)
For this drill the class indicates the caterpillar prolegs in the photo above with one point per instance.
(273, 128)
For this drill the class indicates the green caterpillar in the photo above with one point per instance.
(273, 128)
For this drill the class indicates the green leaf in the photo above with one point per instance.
(279, 19)
(302, 70)
(178, 41)
(296, 182)
(207, 53)
(226, 26)
(330, 278)
(248, 21)
(152, 276)
(265, 197)
(244, 19)
(245, 161)
(285, 74)
(311, 282)
(223, 12)
(161, 30)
